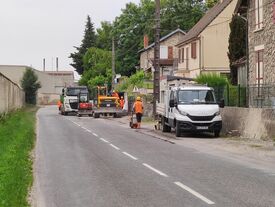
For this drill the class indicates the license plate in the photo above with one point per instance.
(202, 127)
(108, 105)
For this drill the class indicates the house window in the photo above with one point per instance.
(194, 50)
(182, 54)
(163, 52)
(179, 55)
(259, 67)
(187, 58)
(170, 52)
(259, 14)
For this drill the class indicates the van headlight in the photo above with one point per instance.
(183, 113)
(217, 113)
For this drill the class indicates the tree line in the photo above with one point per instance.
(92, 59)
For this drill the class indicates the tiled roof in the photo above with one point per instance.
(209, 16)
(162, 39)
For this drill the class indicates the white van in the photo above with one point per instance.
(190, 108)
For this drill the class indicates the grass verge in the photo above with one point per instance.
(17, 137)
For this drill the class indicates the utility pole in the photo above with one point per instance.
(113, 64)
(156, 58)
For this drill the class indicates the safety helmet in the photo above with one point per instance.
(138, 98)
(121, 97)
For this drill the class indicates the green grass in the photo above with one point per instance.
(17, 136)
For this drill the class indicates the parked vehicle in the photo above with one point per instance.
(189, 108)
(69, 98)
(84, 105)
(106, 104)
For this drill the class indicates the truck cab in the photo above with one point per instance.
(70, 98)
(191, 108)
(188, 107)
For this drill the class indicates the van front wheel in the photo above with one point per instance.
(216, 133)
(177, 129)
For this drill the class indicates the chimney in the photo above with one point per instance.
(44, 64)
(57, 64)
(146, 41)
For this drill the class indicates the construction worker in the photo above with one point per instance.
(59, 104)
(115, 94)
(121, 101)
(138, 110)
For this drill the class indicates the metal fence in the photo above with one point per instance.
(232, 95)
(261, 96)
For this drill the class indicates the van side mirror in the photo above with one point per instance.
(172, 103)
(221, 103)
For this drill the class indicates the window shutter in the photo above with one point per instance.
(194, 50)
(274, 12)
(170, 52)
(179, 56)
(182, 54)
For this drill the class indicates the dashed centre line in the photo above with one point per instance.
(179, 184)
(117, 148)
(131, 156)
(206, 200)
(104, 140)
(155, 170)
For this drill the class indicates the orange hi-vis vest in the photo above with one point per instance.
(138, 107)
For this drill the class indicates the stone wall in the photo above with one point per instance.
(11, 95)
(265, 37)
(253, 123)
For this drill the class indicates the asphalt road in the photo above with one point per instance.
(102, 163)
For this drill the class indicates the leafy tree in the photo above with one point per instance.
(211, 3)
(98, 67)
(88, 41)
(30, 85)
(182, 14)
(237, 44)
(104, 36)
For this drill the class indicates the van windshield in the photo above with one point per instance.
(196, 97)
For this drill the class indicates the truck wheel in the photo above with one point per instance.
(216, 133)
(96, 115)
(114, 115)
(65, 113)
(177, 129)
(165, 128)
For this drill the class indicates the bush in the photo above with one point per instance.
(212, 80)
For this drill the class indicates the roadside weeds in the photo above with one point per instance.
(17, 137)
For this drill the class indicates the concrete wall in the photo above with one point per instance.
(11, 95)
(51, 84)
(251, 123)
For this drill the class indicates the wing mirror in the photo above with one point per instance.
(221, 103)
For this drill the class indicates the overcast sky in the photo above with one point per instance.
(31, 30)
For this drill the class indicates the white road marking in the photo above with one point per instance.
(155, 170)
(104, 140)
(95, 134)
(131, 156)
(114, 147)
(88, 130)
(84, 128)
(206, 200)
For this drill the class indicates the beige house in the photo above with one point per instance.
(168, 53)
(52, 82)
(204, 48)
